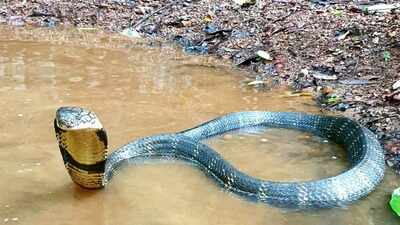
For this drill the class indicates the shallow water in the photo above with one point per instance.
(143, 91)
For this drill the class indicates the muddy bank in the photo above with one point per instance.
(344, 53)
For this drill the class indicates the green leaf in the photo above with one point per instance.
(364, 9)
(386, 56)
(395, 201)
(338, 12)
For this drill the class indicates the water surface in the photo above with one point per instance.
(139, 91)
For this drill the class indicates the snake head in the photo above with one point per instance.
(83, 145)
(73, 118)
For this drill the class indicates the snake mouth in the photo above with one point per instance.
(74, 118)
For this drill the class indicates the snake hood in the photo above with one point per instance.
(83, 145)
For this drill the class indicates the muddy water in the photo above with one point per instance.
(138, 92)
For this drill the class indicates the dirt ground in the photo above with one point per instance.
(345, 53)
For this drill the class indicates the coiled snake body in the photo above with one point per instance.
(83, 144)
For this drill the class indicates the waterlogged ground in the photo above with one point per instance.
(138, 92)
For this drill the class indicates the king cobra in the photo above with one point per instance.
(83, 145)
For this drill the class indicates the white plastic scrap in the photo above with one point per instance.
(264, 55)
(245, 2)
(382, 8)
(396, 85)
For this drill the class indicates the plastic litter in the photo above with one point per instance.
(395, 201)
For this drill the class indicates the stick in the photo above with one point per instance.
(153, 13)
(356, 67)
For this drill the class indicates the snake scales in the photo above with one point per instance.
(83, 144)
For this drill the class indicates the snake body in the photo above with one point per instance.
(363, 150)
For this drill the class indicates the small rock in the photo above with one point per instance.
(190, 46)
(245, 58)
(245, 2)
(304, 72)
(150, 29)
(342, 107)
(186, 23)
(238, 34)
(130, 32)
(389, 163)
(264, 55)
(343, 35)
(392, 34)
(210, 29)
(396, 85)
(197, 49)
(264, 140)
(139, 11)
(375, 40)
(49, 22)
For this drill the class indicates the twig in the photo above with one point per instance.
(356, 67)
(285, 16)
(39, 14)
(155, 12)
(281, 29)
